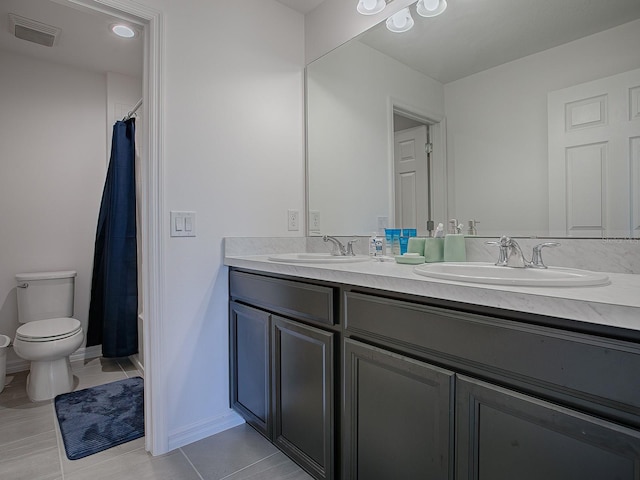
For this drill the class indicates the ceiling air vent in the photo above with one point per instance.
(32, 31)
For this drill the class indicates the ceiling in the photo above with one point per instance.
(474, 35)
(471, 36)
(85, 41)
(302, 6)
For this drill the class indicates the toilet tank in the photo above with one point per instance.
(45, 295)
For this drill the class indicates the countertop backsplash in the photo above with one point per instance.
(598, 255)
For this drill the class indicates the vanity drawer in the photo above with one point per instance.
(297, 299)
(571, 364)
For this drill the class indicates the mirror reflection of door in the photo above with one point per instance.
(411, 174)
(594, 158)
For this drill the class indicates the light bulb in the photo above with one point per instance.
(371, 7)
(400, 22)
(431, 5)
(431, 8)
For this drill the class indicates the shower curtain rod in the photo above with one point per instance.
(133, 110)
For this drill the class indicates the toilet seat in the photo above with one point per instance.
(48, 330)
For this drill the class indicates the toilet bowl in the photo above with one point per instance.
(47, 344)
(48, 333)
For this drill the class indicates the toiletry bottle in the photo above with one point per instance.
(388, 240)
(454, 244)
(395, 246)
(379, 247)
(434, 247)
(471, 227)
(372, 244)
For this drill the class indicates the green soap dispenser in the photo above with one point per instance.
(454, 245)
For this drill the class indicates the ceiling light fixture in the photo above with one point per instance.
(400, 22)
(123, 30)
(371, 7)
(431, 8)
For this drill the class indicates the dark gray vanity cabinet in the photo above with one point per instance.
(398, 416)
(303, 394)
(506, 435)
(531, 401)
(408, 387)
(283, 349)
(249, 345)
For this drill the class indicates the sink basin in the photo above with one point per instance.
(488, 273)
(317, 258)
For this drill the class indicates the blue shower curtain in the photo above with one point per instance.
(113, 310)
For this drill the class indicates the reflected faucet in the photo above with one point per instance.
(338, 247)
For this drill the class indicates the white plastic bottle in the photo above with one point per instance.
(379, 247)
(373, 240)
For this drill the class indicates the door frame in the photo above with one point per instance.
(438, 171)
(153, 205)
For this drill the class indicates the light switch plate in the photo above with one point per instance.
(183, 224)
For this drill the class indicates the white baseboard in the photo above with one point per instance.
(137, 362)
(206, 428)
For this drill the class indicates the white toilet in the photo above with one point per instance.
(48, 334)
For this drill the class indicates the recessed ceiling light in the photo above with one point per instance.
(123, 30)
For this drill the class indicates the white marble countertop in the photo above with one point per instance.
(615, 305)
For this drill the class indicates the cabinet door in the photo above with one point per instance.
(249, 365)
(505, 435)
(398, 418)
(303, 395)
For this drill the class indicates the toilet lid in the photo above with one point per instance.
(49, 329)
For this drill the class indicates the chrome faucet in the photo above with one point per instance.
(515, 257)
(503, 251)
(510, 253)
(536, 258)
(338, 247)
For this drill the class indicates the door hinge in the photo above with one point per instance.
(428, 147)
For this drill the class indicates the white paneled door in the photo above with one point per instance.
(594, 158)
(411, 173)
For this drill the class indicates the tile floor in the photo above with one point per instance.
(31, 447)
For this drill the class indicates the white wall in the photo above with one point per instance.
(349, 145)
(233, 152)
(123, 92)
(499, 118)
(52, 169)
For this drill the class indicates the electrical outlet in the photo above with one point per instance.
(314, 221)
(293, 220)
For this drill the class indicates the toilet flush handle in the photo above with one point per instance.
(23, 285)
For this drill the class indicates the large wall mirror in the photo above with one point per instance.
(522, 115)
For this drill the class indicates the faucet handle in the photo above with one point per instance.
(350, 247)
(536, 257)
(502, 255)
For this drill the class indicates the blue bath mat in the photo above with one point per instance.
(98, 418)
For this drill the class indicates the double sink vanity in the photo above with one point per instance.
(359, 369)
